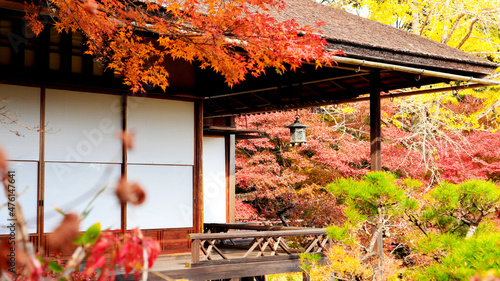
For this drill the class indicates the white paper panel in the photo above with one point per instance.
(169, 197)
(164, 131)
(83, 127)
(214, 180)
(23, 105)
(71, 186)
(26, 182)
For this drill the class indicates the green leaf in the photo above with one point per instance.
(90, 236)
(42, 260)
(55, 267)
(310, 257)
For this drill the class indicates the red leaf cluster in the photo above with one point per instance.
(245, 211)
(480, 160)
(128, 252)
(338, 145)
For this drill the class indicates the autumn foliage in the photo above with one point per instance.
(437, 210)
(416, 143)
(234, 38)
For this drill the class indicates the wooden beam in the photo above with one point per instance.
(375, 129)
(224, 227)
(262, 99)
(209, 263)
(239, 102)
(292, 85)
(195, 251)
(362, 99)
(257, 234)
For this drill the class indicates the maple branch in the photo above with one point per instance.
(11, 119)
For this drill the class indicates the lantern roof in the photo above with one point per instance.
(297, 124)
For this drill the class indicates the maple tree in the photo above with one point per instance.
(290, 180)
(454, 145)
(293, 179)
(234, 38)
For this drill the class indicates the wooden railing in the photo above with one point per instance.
(261, 242)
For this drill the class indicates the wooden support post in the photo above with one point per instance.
(198, 169)
(195, 251)
(230, 163)
(375, 115)
(375, 148)
(41, 173)
(123, 206)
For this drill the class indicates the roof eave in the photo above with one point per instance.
(462, 67)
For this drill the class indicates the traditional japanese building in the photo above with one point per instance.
(63, 147)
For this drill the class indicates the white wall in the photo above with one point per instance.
(169, 197)
(214, 180)
(83, 155)
(162, 162)
(164, 131)
(26, 182)
(22, 104)
(82, 127)
(71, 187)
(22, 145)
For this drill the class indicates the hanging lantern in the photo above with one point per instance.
(297, 133)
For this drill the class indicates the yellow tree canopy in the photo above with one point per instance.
(470, 25)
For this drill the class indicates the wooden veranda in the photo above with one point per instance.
(238, 251)
(380, 62)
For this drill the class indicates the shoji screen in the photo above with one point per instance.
(214, 179)
(162, 162)
(82, 156)
(21, 141)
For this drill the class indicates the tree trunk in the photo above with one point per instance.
(373, 240)
(471, 231)
(415, 17)
(377, 233)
